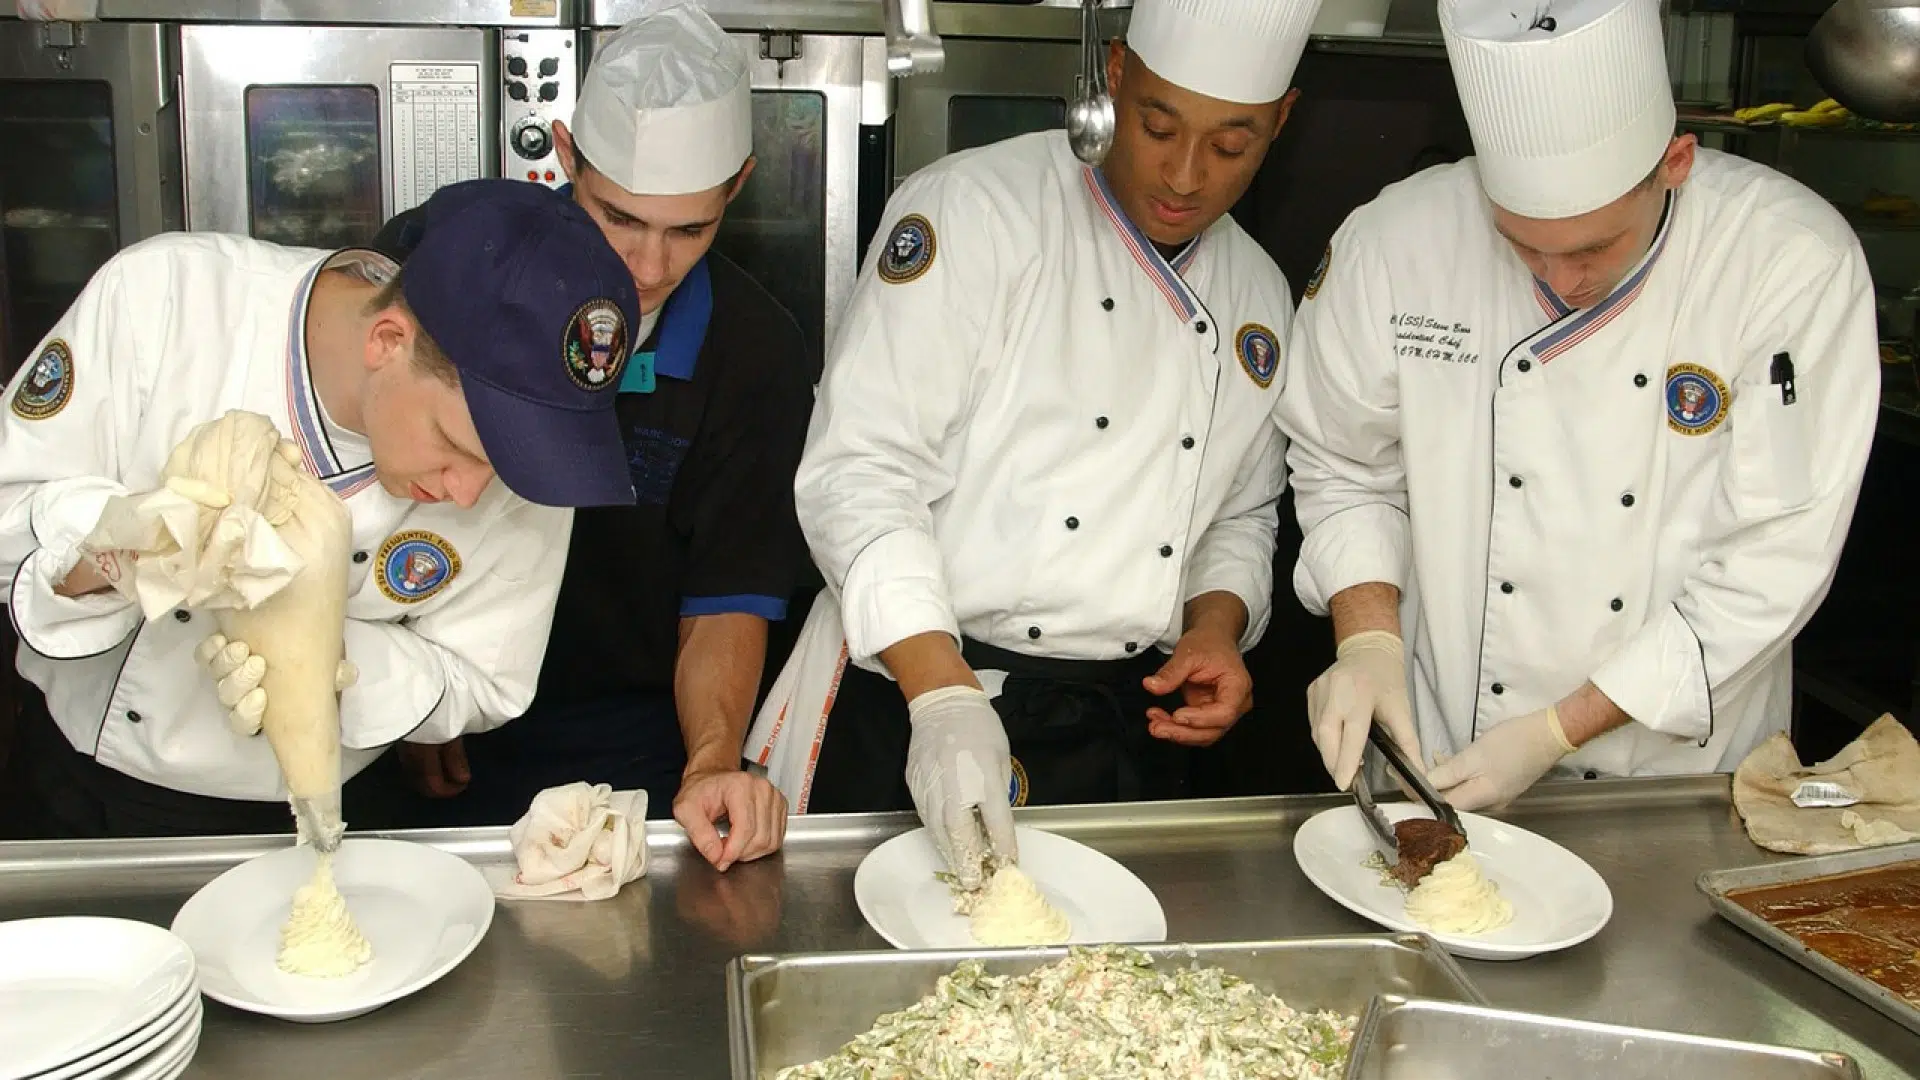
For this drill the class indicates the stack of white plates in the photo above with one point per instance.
(95, 999)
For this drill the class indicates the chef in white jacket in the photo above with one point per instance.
(407, 394)
(1583, 417)
(1040, 479)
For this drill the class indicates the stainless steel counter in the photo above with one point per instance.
(633, 986)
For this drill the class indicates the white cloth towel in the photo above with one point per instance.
(1881, 768)
(186, 554)
(578, 842)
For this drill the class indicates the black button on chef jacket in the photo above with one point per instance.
(713, 446)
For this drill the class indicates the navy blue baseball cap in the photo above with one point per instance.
(520, 289)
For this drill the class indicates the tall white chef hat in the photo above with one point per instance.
(1568, 100)
(667, 106)
(1233, 50)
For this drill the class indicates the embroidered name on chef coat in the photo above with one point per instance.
(595, 348)
(416, 564)
(1696, 399)
(48, 385)
(1259, 352)
(909, 250)
(1017, 787)
(1319, 274)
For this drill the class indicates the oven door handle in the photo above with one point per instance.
(912, 46)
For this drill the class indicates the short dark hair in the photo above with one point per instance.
(580, 163)
(428, 358)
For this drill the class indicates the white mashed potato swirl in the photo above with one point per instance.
(320, 940)
(1457, 899)
(1010, 911)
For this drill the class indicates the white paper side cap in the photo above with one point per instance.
(1243, 51)
(1566, 122)
(672, 151)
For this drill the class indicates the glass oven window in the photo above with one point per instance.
(58, 215)
(313, 164)
(979, 119)
(777, 228)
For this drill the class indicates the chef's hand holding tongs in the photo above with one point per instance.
(959, 769)
(1368, 681)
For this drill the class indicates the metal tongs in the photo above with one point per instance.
(1414, 781)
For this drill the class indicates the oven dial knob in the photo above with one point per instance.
(531, 139)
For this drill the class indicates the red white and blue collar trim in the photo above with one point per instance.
(303, 406)
(1164, 273)
(1585, 324)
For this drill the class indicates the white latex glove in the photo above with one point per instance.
(958, 760)
(58, 10)
(1367, 681)
(237, 671)
(1502, 763)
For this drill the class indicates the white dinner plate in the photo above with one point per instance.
(421, 909)
(1558, 900)
(1102, 900)
(135, 1046)
(70, 986)
(164, 1059)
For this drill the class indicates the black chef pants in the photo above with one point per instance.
(1077, 729)
(53, 792)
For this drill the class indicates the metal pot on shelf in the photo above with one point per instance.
(1866, 55)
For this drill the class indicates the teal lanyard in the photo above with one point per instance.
(638, 378)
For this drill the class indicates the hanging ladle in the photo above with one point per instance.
(1090, 117)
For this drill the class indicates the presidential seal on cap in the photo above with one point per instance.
(667, 104)
(1231, 50)
(520, 289)
(1568, 100)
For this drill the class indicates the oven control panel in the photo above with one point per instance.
(540, 77)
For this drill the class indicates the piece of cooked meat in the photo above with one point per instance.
(1424, 843)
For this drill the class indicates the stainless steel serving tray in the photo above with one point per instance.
(1716, 884)
(1401, 1039)
(789, 1010)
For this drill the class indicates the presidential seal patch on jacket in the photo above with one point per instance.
(414, 565)
(48, 385)
(1259, 352)
(909, 250)
(1697, 399)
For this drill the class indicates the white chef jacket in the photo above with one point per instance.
(1047, 439)
(448, 610)
(1617, 494)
